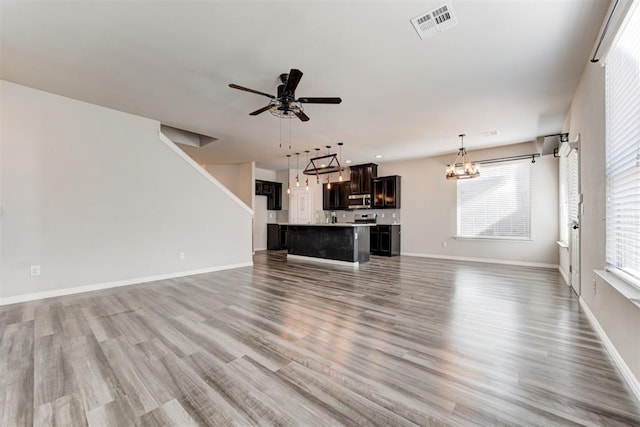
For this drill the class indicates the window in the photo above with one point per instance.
(623, 150)
(497, 204)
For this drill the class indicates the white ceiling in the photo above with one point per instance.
(510, 66)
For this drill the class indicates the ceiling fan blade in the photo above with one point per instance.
(292, 81)
(320, 100)
(246, 89)
(261, 110)
(302, 116)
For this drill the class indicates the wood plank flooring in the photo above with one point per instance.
(400, 341)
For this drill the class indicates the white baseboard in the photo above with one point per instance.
(486, 260)
(98, 286)
(617, 359)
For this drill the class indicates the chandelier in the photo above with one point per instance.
(326, 164)
(462, 167)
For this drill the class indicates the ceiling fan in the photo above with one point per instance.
(285, 104)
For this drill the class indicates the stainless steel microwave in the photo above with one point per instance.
(360, 201)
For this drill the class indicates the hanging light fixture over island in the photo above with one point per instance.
(327, 164)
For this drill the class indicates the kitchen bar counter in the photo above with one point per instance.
(338, 224)
(340, 242)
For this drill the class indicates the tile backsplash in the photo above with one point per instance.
(282, 216)
(385, 216)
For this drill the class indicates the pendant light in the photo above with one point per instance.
(288, 174)
(465, 169)
(317, 172)
(340, 144)
(329, 175)
(306, 181)
(297, 169)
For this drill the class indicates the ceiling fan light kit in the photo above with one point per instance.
(285, 105)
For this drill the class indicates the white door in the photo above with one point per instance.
(301, 206)
(575, 211)
(574, 249)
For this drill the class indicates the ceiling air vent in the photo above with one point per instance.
(435, 21)
(489, 133)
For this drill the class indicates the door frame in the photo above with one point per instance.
(576, 227)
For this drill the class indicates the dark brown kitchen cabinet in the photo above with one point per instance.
(385, 192)
(273, 191)
(385, 240)
(276, 237)
(361, 176)
(336, 197)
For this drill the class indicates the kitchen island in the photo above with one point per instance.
(337, 243)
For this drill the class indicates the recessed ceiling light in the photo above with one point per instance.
(323, 166)
(378, 156)
(347, 161)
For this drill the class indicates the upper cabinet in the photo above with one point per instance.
(385, 193)
(361, 176)
(335, 197)
(273, 191)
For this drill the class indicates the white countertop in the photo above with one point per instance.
(338, 224)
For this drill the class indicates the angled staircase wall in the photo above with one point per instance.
(98, 198)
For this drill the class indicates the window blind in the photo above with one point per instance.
(573, 202)
(563, 178)
(569, 192)
(623, 150)
(497, 203)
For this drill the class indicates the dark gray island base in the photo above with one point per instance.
(347, 243)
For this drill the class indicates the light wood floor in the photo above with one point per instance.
(400, 341)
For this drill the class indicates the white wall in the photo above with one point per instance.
(93, 196)
(429, 211)
(618, 317)
(227, 175)
(246, 188)
(266, 174)
(239, 179)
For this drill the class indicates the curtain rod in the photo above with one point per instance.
(604, 33)
(510, 158)
(506, 159)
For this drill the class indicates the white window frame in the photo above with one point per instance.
(476, 184)
(622, 105)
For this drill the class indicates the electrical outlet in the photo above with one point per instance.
(444, 244)
(270, 215)
(35, 270)
(393, 215)
(344, 216)
(182, 256)
(383, 215)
